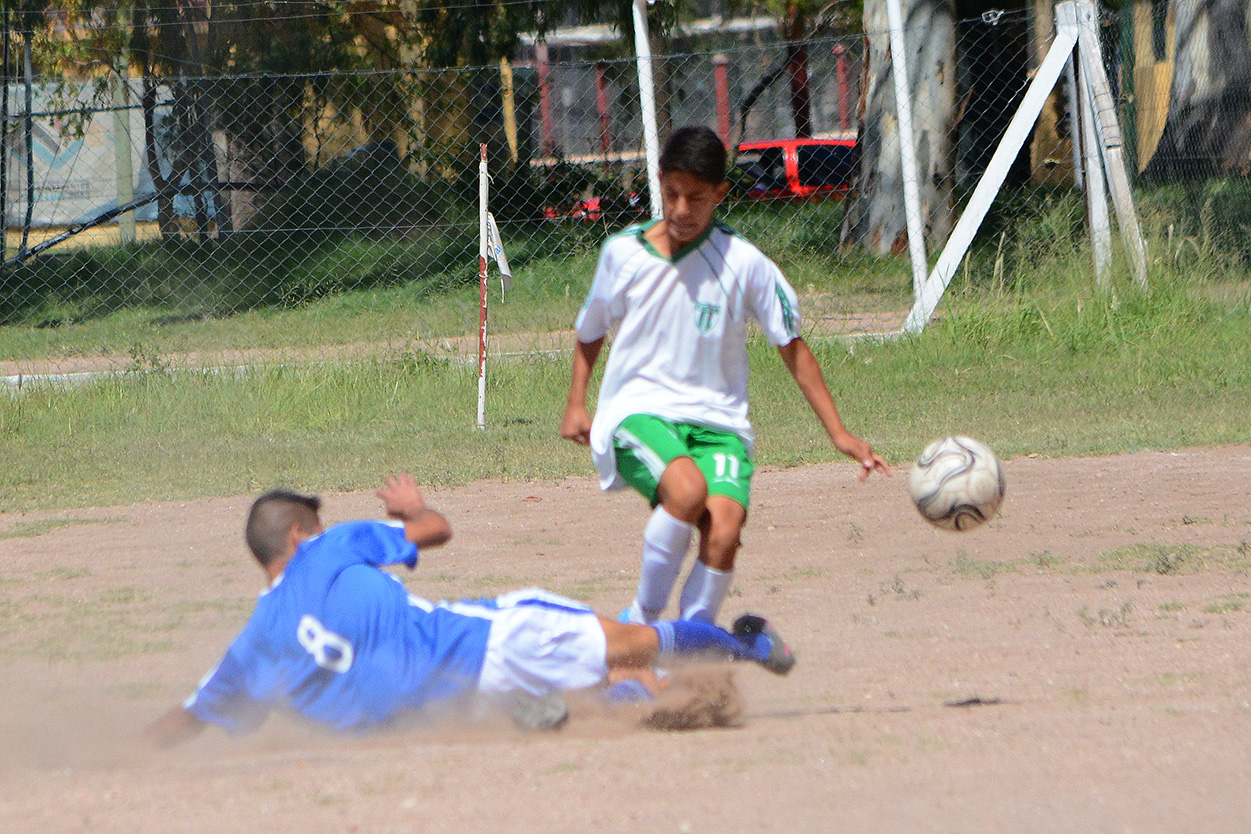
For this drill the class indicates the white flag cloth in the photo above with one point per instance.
(496, 250)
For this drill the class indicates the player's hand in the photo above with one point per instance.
(174, 727)
(401, 497)
(576, 425)
(870, 461)
(873, 463)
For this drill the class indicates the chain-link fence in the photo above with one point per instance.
(223, 218)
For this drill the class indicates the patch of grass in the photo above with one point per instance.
(112, 624)
(141, 691)
(789, 575)
(898, 590)
(220, 605)
(441, 576)
(800, 574)
(1168, 679)
(31, 529)
(1046, 560)
(488, 583)
(1107, 617)
(1162, 559)
(1113, 372)
(63, 573)
(1242, 555)
(969, 568)
(593, 587)
(1227, 603)
(124, 596)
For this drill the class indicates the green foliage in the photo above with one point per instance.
(1202, 227)
(367, 193)
(174, 282)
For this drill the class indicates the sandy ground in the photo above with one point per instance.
(1081, 664)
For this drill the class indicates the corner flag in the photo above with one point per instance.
(495, 247)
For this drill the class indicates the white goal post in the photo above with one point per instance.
(1076, 37)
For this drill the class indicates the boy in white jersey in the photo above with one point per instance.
(341, 642)
(671, 419)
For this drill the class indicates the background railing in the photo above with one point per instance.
(215, 219)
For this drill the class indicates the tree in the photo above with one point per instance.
(179, 51)
(1208, 127)
(874, 208)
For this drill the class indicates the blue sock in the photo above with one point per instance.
(628, 691)
(689, 637)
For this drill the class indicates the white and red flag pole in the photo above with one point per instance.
(490, 245)
(483, 249)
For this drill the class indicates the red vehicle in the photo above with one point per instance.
(798, 169)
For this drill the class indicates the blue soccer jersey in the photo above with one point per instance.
(341, 641)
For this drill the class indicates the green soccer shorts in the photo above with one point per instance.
(645, 444)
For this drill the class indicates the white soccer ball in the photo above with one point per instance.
(957, 483)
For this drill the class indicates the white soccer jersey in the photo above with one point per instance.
(680, 349)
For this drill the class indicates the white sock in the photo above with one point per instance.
(665, 541)
(704, 591)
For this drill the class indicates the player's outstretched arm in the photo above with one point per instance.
(173, 728)
(402, 499)
(807, 373)
(576, 423)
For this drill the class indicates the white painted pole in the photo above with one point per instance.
(1111, 142)
(1014, 137)
(1096, 187)
(1075, 119)
(483, 244)
(647, 104)
(907, 145)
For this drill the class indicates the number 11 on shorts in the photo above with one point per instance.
(726, 466)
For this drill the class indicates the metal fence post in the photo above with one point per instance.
(907, 145)
(647, 105)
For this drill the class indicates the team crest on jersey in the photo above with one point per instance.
(706, 316)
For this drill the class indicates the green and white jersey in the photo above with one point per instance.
(680, 348)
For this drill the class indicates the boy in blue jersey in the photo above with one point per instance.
(671, 419)
(341, 641)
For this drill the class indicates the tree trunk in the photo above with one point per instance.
(801, 95)
(165, 218)
(797, 70)
(264, 141)
(1208, 128)
(875, 207)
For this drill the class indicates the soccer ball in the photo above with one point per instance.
(957, 483)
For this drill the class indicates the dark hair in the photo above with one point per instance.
(696, 150)
(273, 515)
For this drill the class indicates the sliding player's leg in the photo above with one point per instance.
(632, 646)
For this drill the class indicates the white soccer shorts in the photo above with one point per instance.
(540, 643)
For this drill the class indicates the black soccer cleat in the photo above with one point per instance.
(780, 659)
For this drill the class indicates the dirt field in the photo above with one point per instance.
(1081, 664)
